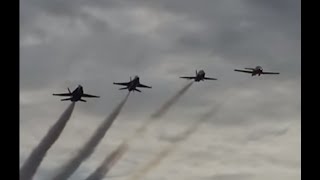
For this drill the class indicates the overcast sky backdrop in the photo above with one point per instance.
(253, 135)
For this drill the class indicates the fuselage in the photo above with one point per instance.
(200, 76)
(134, 83)
(77, 94)
(257, 71)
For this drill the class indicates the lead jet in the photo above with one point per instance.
(132, 85)
(76, 95)
(200, 76)
(255, 71)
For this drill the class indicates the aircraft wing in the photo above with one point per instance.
(67, 99)
(243, 71)
(90, 96)
(270, 73)
(188, 77)
(63, 94)
(143, 86)
(207, 78)
(122, 84)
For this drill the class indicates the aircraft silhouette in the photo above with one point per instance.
(76, 95)
(255, 71)
(200, 76)
(132, 85)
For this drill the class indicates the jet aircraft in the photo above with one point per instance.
(132, 85)
(255, 71)
(76, 95)
(200, 76)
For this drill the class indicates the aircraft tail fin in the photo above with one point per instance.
(69, 90)
(123, 88)
(137, 90)
(82, 100)
(196, 72)
(67, 99)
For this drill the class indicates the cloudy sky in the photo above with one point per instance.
(253, 132)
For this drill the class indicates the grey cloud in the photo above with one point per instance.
(231, 176)
(255, 136)
(267, 35)
(61, 8)
(290, 164)
(72, 10)
(64, 44)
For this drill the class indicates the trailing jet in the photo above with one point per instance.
(132, 85)
(76, 95)
(255, 71)
(200, 76)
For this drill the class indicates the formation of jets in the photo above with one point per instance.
(134, 83)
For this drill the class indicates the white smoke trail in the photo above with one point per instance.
(31, 165)
(171, 101)
(71, 166)
(153, 163)
(181, 138)
(159, 113)
(108, 163)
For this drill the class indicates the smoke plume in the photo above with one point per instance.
(176, 142)
(71, 166)
(108, 162)
(31, 165)
(159, 113)
(171, 101)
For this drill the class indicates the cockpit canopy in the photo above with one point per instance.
(259, 68)
(201, 72)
